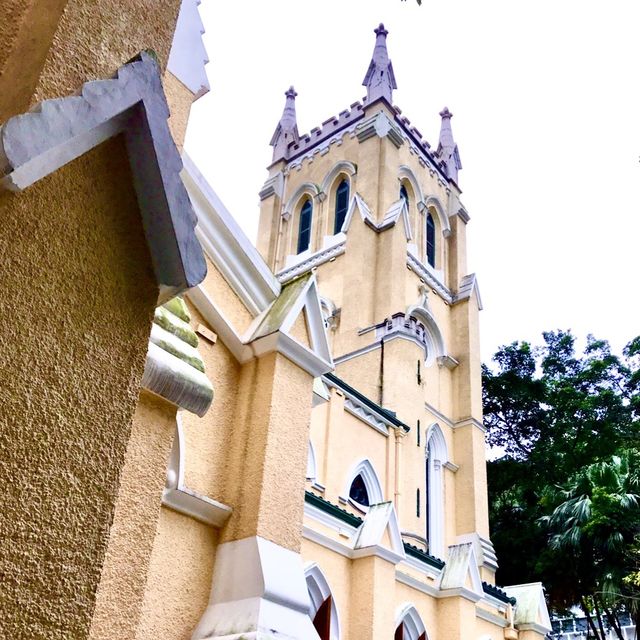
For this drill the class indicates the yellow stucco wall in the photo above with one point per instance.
(78, 298)
(179, 580)
(131, 538)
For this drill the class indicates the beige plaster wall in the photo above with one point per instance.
(124, 576)
(179, 99)
(78, 298)
(179, 578)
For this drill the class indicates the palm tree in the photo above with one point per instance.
(596, 520)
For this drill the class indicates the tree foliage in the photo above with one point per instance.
(563, 489)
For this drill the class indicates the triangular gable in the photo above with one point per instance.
(357, 204)
(397, 210)
(461, 575)
(531, 608)
(275, 329)
(380, 531)
(468, 286)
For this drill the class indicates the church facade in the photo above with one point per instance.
(204, 439)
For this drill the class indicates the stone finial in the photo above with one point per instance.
(447, 148)
(287, 129)
(380, 81)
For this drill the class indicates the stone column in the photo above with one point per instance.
(258, 582)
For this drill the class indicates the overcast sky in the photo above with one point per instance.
(546, 108)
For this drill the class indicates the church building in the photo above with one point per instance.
(208, 440)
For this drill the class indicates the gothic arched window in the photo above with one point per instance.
(431, 240)
(409, 624)
(342, 205)
(358, 491)
(304, 230)
(323, 611)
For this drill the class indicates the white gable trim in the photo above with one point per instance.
(227, 246)
(380, 518)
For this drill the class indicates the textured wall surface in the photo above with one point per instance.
(179, 578)
(123, 581)
(78, 294)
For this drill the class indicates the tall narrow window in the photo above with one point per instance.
(404, 194)
(418, 503)
(342, 204)
(304, 230)
(431, 240)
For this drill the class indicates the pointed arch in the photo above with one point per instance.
(432, 202)
(413, 627)
(308, 188)
(436, 454)
(432, 334)
(345, 167)
(371, 482)
(406, 173)
(319, 594)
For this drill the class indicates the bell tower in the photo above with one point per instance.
(368, 205)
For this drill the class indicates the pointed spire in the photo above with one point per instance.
(447, 148)
(380, 81)
(287, 129)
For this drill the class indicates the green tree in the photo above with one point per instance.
(550, 414)
(595, 522)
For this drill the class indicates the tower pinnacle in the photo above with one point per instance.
(287, 129)
(380, 81)
(447, 148)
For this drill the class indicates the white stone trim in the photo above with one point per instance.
(227, 246)
(440, 416)
(326, 519)
(433, 202)
(414, 583)
(271, 599)
(308, 188)
(343, 167)
(302, 263)
(319, 591)
(437, 455)
(493, 618)
(311, 463)
(408, 615)
(364, 467)
(428, 275)
(465, 422)
(186, 501)
(461, 564)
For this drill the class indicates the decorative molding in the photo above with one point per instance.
(433, 202)
(272, 594)
(362, 413)
(188, 56)
(484, 551)
(319, 591)
(227, 246)
(308, 188)
(427, 275)
(451, 466)
(314, 260)
(57, 131)
(363, 407)
(468, 285)
(407, 615)
(273, 186)
(379, 125)
(365, 468)
(440, 416)
(448, 362)
(186, 501)
(342, 167)
(414, 583)
(465, 422)
(493, 618)
(462, 566)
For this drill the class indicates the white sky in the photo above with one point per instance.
(546, 104)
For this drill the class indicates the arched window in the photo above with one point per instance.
(436, 457)
(404, 194)
(358, 491)
(304, 230)
(342, 205)
(363, 487)
(409, 624)
(323, 611)
(431, 240)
